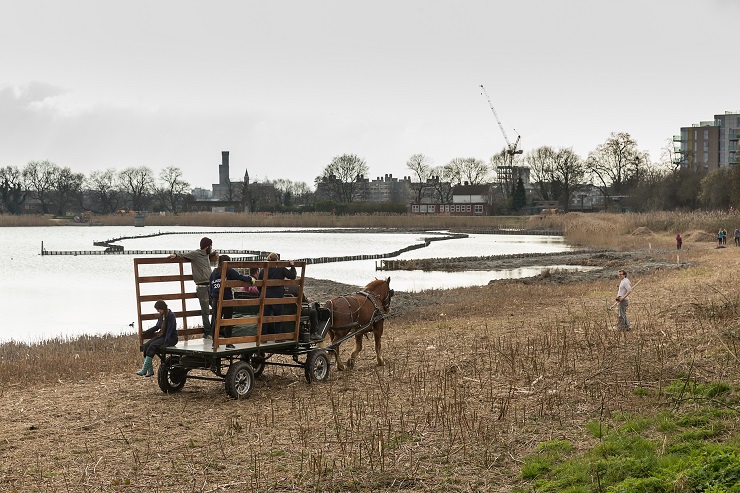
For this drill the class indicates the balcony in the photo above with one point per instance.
(677, 138)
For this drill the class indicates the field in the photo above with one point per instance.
(514, 386)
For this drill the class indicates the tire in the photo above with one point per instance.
(317, 366)
(239, 380)
(257, 362)
(171, 378)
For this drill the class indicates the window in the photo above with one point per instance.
(423, 209)
(706, 134)
(467, 208)
(457, 208)
(415, 208)
(706, 157)
(479, 209)
(431, 209)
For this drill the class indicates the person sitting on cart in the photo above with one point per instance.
(163, 334)
(275, 291)
(215, 288)
(252, 289)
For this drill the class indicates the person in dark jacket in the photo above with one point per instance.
(164, 335)
(275, 291)
(215, 288)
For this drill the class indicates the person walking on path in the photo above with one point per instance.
(724, 236)
(679, 241)
(201, 268)
(625, 288)
(215, 289)
(737, 236)
(164, 334)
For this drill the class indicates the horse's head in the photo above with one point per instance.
(382, 289)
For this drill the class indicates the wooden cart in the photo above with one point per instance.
(194, 357)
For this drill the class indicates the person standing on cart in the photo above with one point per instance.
(163, 335)
(275, 291)
(201, 267)
(215, 288)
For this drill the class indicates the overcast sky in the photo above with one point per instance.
(287, 85)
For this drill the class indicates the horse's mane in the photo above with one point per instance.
(374, 284)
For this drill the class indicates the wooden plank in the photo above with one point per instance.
(172, 278)
(171, 296)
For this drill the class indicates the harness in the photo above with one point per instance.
(378, 311)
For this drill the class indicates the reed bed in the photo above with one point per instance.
(472, 384)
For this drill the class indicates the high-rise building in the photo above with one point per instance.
(708, 145)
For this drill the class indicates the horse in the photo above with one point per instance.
(362, 312)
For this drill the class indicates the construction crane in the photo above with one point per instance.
(511, 149)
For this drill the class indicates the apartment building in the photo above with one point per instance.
(708, 145)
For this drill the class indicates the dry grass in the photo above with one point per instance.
(471, 385)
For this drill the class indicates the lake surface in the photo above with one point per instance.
(50, 296)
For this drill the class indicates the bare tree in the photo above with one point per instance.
(138, 185)
(104, 188)
(342, 178)
(420, 167)
(616, 163)
(67, 185)
(12, 189)
(468, 170)
(541, 164)
(174, 189)
(40, 177)
(568, 173)
(442, 182)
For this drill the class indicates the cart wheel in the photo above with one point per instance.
(239, 380)
(257, 361)
(317, 366)
(171, 378)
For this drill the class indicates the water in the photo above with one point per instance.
(50, 296)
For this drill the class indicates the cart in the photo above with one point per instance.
(300, 329)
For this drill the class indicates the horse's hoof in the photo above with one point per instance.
(381, 362)
(350, 363)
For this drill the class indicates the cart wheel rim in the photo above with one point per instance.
(243, 382)
(320, 368)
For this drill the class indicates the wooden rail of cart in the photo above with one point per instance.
(167, 279)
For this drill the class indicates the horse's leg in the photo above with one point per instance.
(378, 333)
(340, 365)
(358, 348)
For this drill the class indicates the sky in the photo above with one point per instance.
(285, 86)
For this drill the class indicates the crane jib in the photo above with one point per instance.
(511, 148)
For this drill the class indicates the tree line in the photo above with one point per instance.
(58, 190)
(618, 168)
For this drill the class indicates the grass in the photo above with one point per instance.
(693, 448)
(491, 388)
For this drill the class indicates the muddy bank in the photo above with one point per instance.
(637, 263)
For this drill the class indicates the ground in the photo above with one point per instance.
(474, 379)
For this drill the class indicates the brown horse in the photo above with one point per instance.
(361, 312)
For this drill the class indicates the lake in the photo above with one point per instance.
(51, 296)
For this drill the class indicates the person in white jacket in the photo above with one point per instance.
(625, 288)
